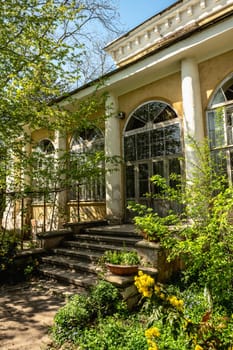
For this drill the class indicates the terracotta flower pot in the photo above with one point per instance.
(122, 270)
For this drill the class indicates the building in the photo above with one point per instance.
(174, 74)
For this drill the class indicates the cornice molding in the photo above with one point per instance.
(180, 17)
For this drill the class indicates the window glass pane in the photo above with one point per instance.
(229, 93)
(157, 142)
(219, 97)
(85, 143)
(143, 145)
(220, 161)
(216, 128)
(172, 139)
(130, 181)
(174, 168)
(45, 146)
(154, 112)
(228, 90)
(138, 119)
(229, 120)
(143, 179)
(130, 147)
(165, 113)
(231, 166)
(158, 169)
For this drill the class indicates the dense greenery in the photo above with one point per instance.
(8, 249)
(14, 268)
(41, 50)
(202, 232)
(166, 318)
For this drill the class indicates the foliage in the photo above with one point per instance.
(71, 318)
(204, 231)
(106, 299)
(167, 318)
(8, 249)
(81, 310)
(149, 224)
(174, 323)
(41, 50)
(114, 333)
(121, 257)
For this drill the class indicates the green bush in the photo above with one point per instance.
(114, 334)
(8, 249)
(82, 311)
(72, 318)
(106, 299)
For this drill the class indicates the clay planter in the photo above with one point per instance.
(122, 270)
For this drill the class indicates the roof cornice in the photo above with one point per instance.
(151, 34)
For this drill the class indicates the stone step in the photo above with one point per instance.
(107, 239)
(114, 230)
(75, 260)
(78, 254)
(92, 247)
(70, 264)
(82, 280)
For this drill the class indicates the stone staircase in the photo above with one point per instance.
(75, 260)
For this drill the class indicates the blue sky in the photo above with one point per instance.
(134, 12)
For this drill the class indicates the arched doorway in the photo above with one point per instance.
(152, 145)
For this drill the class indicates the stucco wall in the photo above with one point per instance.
(167, 90)
(212, 73)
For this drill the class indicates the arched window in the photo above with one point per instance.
(152, 145)
(87, 174)
(45, 147)
(220, 126)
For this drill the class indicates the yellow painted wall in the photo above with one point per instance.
(87, 211)
(212, 73)
(167, 90)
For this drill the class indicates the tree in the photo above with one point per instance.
(41, 48)
(41, 44)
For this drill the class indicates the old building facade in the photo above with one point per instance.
(174, 73)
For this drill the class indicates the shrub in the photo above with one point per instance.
(114, 334)
(71, 318)
(81, 311)
(106, 299)
(8, 249)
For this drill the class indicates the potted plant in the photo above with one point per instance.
(121, 262)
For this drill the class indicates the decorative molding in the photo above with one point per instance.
(176, 18)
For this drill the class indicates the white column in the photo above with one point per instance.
(192, 106)
(114, 202)
(60, 148)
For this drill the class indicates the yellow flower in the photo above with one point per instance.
(162, 296)
(152, 345)
(144, 284)
(198, 347)
(174, 301)
(152, 332)
(157, 289)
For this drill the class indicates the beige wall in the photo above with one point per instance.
(167, 90)
(212, 73)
